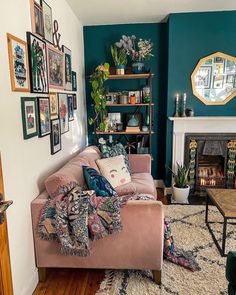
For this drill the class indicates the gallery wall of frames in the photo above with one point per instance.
(43, 66)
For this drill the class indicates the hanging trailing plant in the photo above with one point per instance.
(98, 95)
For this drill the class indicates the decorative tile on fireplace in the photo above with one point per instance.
(212, 161)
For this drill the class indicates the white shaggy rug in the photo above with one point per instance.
(190, 233)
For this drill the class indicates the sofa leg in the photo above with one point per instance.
(157, 276)
(42, 274)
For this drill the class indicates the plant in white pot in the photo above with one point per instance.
(181, 186)
(120, 59)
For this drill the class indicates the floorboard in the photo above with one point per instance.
(62, 281)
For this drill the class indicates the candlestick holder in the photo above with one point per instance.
(184, 105)
(176, 105)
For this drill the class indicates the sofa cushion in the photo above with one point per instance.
(116, 150)
(140, 183)
(114, 170)
(71, 174)
(95, 181)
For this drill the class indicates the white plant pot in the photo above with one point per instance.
(180, 194)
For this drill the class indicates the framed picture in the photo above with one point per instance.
(53, 99)
(29, 114)
(44, 116)
(63, 112)
(18, 63)
(68, 68)
(203, 77)
(218, 59)
(218, 82)
(75, 101)
(47, 22)
(36, 17)
(74, 81)
(230, 79)
(70, 107)
(38, 64)
(230, 66)
(55, 68)
(55, 136)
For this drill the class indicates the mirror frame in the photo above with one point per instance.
(199, 64)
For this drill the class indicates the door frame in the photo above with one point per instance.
(5, 264)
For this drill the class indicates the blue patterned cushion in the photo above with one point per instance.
(116, 150)
(98, 183)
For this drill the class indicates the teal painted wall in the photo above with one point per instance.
(97, 42)
(178, 46)
(191, 37)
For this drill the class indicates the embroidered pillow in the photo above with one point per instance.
(114, 170)
(116, 150)
(98, 183)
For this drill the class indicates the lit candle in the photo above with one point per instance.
(177, 97)
(185, 97)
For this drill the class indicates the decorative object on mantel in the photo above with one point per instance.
(213, 79)
(138, 50)
(120, 59)
(190, 112)
(181, 186)
(176, 105)
(184, 105)
(98, 95)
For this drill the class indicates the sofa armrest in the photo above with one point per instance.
(140, 163)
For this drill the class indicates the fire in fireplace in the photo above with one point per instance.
(212, 161)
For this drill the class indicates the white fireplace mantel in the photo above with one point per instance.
(181, 126)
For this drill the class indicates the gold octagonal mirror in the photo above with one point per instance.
(214, 79)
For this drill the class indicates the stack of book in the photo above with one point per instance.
(132, 129)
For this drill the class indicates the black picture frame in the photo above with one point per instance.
(29, 112)
(47, 21)
(67, 67)
(74, 81)
(55, 138)
(63, 112)
(38, 72)
(74, 101)
(70, 107)
(44, 116)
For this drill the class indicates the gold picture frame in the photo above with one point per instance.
(18, 64)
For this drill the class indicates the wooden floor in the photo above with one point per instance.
(76, 281)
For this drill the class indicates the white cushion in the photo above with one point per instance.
(114, 170)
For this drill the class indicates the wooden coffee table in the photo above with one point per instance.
(225, 201)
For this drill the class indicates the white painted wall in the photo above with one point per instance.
(26, 163)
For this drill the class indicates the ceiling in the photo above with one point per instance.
(94, 12)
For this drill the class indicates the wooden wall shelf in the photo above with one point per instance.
(130, 76)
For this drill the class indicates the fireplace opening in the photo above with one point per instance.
(212, 161)
(211, 171)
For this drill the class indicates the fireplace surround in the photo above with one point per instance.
(198, 126)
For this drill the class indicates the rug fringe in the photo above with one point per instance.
(106, 283)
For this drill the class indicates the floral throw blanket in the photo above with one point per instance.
(80, 216)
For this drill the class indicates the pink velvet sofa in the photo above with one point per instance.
(138, 246)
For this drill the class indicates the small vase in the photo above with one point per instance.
(138, 68)
(120, 70)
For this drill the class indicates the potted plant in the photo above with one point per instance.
(120, 59)
(181, 187)
(138, 50)
(98, 95)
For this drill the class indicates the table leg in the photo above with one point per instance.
(224, 237)
(207, 205)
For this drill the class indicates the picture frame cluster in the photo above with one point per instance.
(40, 67)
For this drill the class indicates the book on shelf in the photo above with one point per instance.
(132, 129)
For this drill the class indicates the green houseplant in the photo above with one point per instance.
(120, 59)
(181, 186)
(98, 94)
